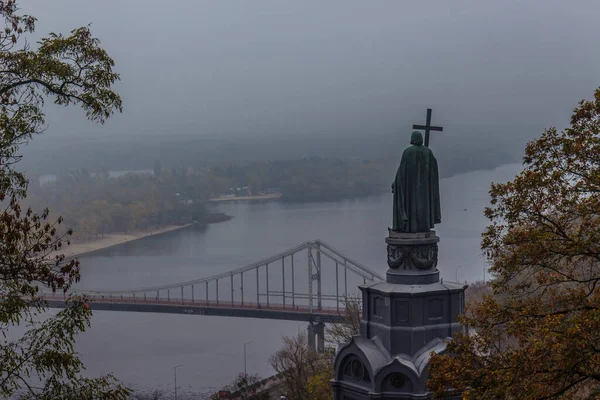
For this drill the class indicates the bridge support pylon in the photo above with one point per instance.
(311, 336)
(318, 330)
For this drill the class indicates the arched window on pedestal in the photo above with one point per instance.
(355, 370)
(396, 382)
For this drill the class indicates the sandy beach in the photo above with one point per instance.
(113, 239)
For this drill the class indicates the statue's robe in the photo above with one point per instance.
(416, 190)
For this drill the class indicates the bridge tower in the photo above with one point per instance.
(404, 319)
(315, 328)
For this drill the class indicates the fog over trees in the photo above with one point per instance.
(218, 82)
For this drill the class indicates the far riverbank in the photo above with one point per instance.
(113, 239)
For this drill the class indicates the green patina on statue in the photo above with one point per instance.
(416, 189)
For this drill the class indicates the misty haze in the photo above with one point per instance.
(231, 184)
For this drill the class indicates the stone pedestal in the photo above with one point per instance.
(412, 257)
(404, 320)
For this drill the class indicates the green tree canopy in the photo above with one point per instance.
(73, 70)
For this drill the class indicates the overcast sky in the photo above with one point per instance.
(333, 67)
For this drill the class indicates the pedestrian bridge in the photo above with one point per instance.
(308, 282)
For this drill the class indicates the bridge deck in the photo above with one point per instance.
(199, 307)
(283, 275)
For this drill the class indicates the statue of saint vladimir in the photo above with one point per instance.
(416, 189)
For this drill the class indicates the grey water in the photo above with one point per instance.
(142, 349)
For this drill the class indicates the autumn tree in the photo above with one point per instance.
(70, 70)
(538, 335)
(307, 375)
(319, 383)
(296, 362)
(342, 332)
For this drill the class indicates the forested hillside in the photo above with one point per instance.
(96, 204)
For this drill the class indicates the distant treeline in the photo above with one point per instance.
(458, 148)
(95, 204)
(309, 179)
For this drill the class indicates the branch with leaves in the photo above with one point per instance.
(342, 332)
(538, 334)
(74, 70)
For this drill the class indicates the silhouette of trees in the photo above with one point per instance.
(313, 179)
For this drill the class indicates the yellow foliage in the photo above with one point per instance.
(319, 385)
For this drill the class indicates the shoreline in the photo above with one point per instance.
(114, 239)
(272, 196)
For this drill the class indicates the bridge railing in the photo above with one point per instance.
(197, 303)
(297, 277)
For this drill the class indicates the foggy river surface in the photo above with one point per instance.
(142, 349)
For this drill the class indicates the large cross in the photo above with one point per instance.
(427, 127)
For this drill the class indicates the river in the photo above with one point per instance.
(142, 349)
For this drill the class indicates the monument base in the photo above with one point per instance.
(412, 258)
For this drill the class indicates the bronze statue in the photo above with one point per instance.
(416, 189)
